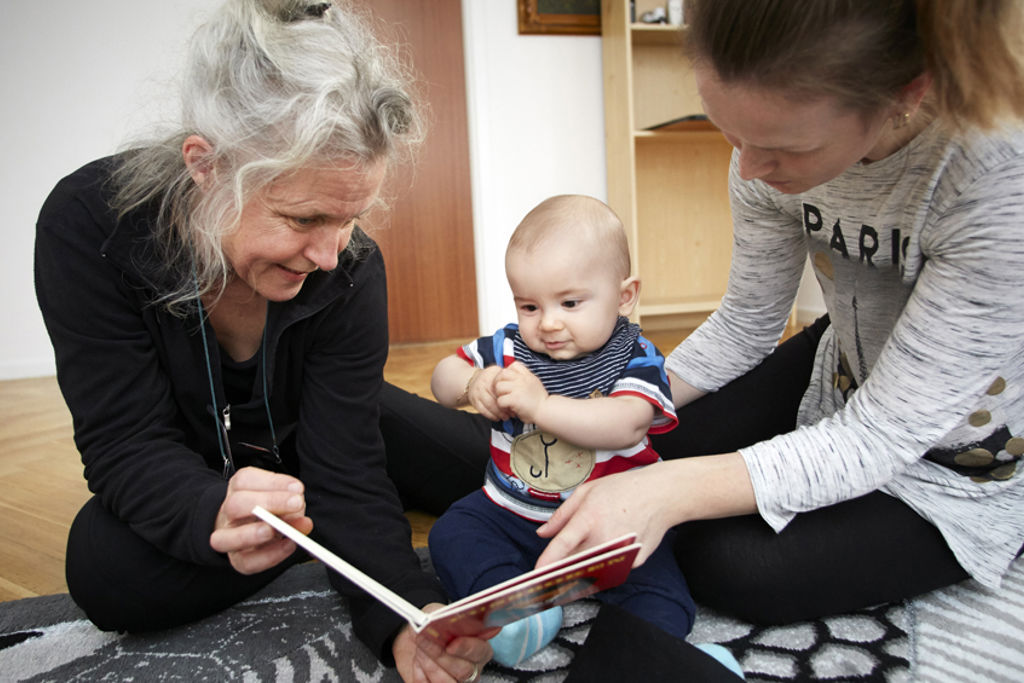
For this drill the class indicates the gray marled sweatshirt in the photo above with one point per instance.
(920, 257)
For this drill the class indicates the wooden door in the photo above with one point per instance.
(427, 235)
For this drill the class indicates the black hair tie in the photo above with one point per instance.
(318, 10)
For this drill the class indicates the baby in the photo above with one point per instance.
(572, 390)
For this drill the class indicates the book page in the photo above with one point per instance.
(559, 583)
(577, 558)
(397, 603)
(556, 584)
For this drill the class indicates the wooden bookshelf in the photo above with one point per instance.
(669, 186)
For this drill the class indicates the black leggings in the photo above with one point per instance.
(123, 583)
(858, 553)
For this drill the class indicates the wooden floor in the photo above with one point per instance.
(41, 483)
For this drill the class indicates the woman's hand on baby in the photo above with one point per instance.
(252, 545)
(605, 509)
(648, 501)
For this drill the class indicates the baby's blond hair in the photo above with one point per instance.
(586, 220)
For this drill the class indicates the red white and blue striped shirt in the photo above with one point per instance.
(530, 472)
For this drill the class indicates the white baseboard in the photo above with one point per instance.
(23, 369)
(807, 315)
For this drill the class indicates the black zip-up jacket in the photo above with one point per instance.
(138, 384)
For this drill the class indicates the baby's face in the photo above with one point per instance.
(567, 301)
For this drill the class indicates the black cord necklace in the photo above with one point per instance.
(222, 426)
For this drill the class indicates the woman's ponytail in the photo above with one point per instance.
(974, 50)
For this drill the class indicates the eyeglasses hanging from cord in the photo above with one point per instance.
(222, 419)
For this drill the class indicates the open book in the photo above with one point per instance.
(559, 583)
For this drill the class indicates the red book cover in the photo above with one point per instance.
(559, 583)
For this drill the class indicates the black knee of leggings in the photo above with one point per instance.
(752, 408)
(856, 554)
(123, 583)
(435, 455)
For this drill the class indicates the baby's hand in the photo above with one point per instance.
(481, 394)
(519, 391)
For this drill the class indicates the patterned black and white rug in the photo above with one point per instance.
(298, 630)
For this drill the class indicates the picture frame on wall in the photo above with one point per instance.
(564, 17)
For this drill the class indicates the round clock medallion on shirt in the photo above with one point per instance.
(546, 463)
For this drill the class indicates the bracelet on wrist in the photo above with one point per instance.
(463, 398)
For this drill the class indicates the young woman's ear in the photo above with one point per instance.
(196, 152)
(913, 93)
(629, 295)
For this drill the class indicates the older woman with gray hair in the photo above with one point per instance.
(220, 329)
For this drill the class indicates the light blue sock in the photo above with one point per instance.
(723, 656)
(521, 639)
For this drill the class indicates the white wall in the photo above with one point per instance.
(79, 79)
(810, 304)
(536, 116)
(76, 77)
